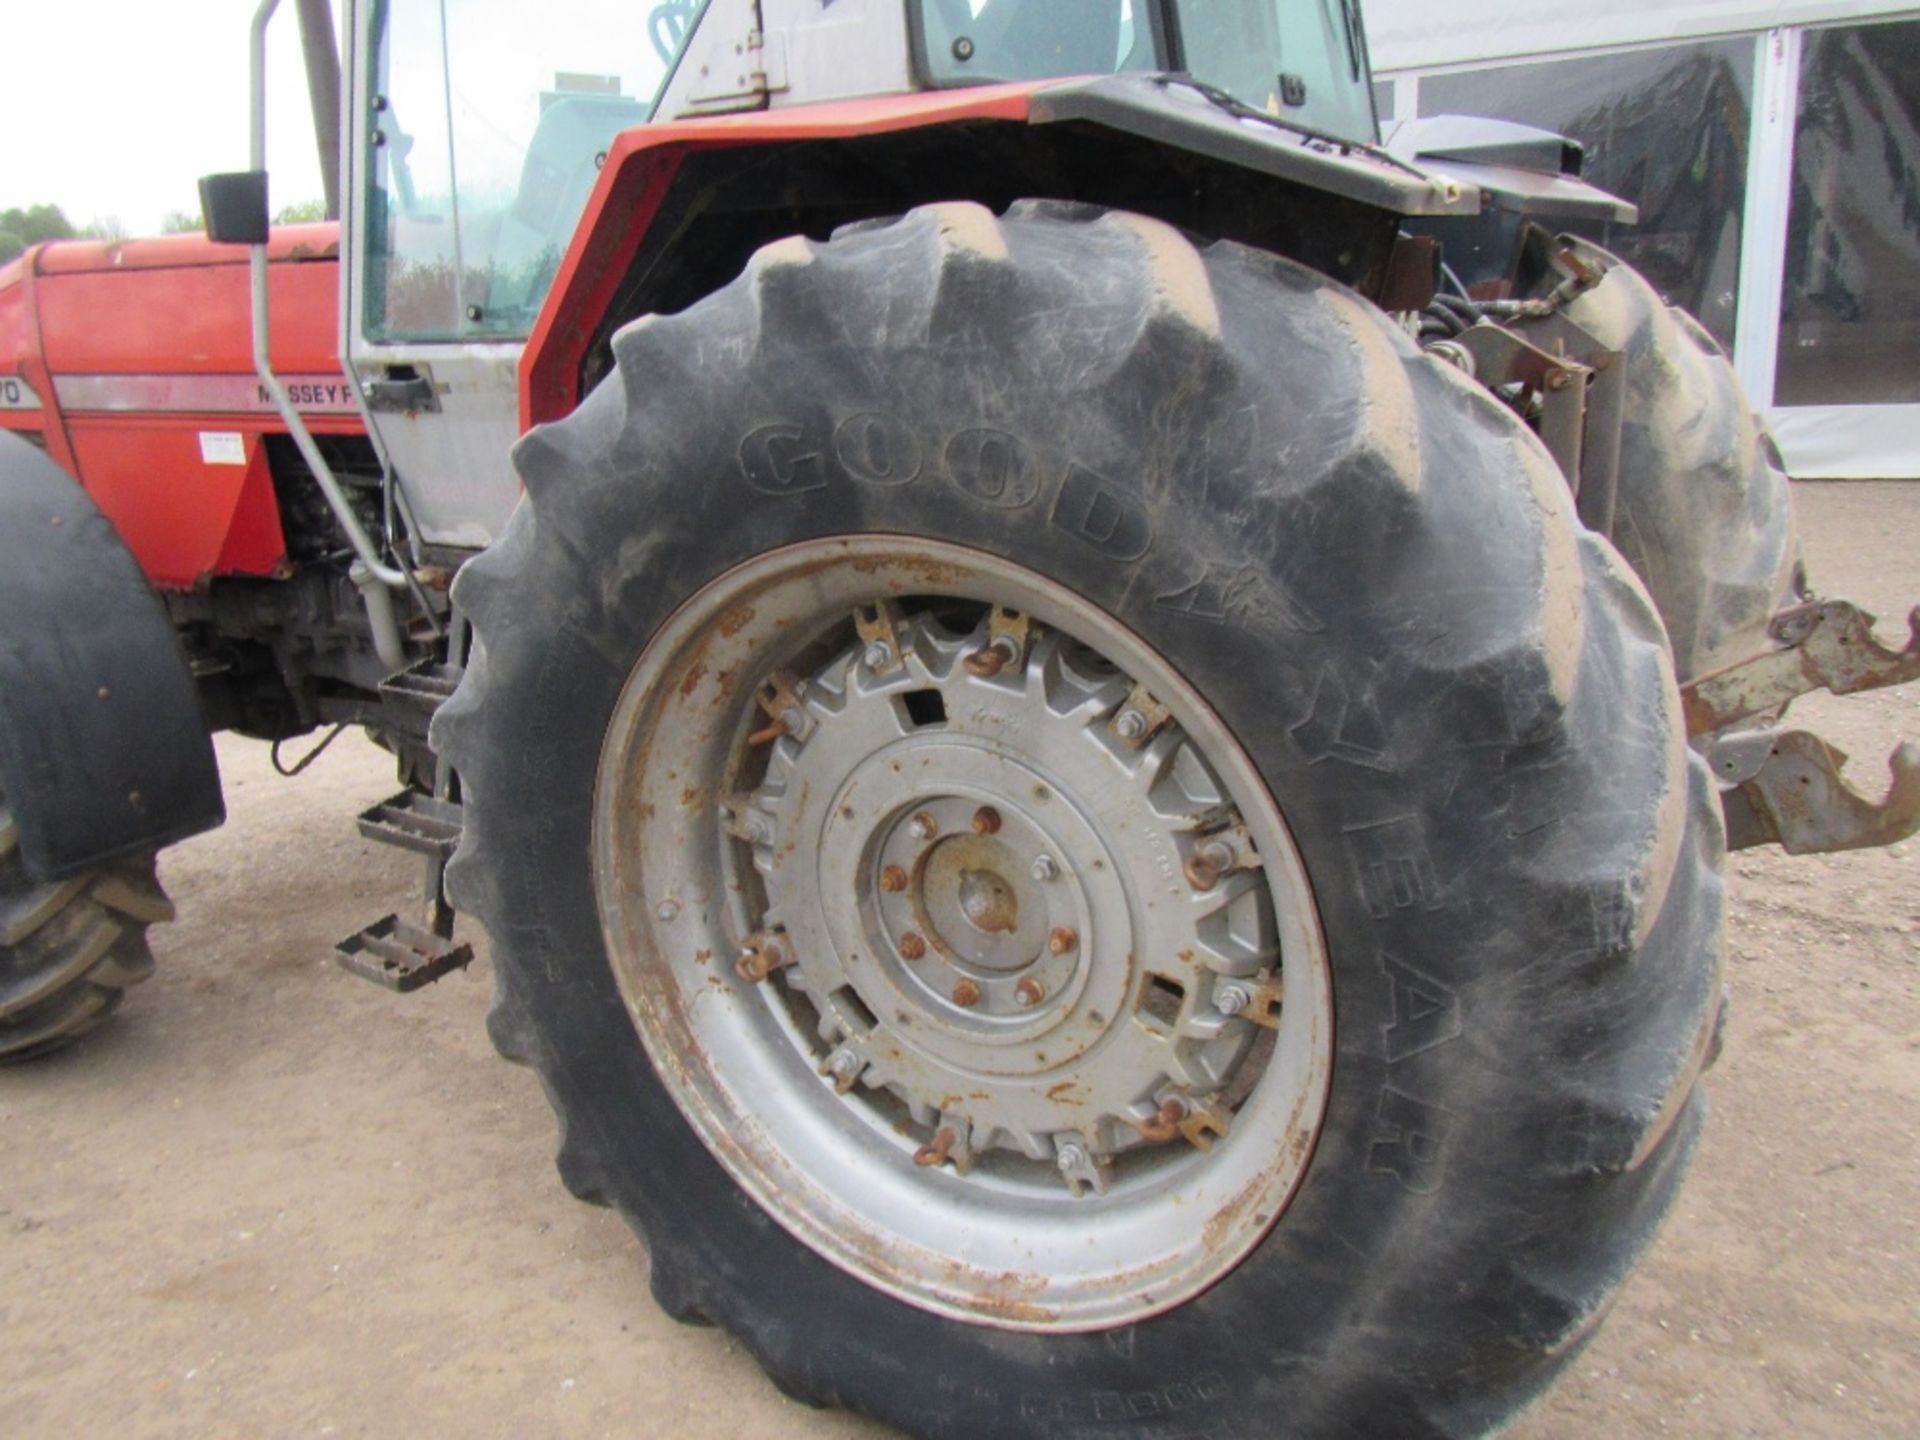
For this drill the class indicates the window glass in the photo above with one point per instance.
(978, 41)
(1301, 60)
(1297, 59)
(1850, 301)
(1666, 129)
(488, 133)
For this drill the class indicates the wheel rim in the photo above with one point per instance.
(962, 932)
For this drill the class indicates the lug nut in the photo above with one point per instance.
(1130, 725)
(893, 879)
(1029, 992)
(1043, 868)
(939, 1152)
(877, 656)
(1231, 999)
(966, 994)
(1070, 1158)
(912, 947)
(759, 832)
(845, 1068)
(923, 826)
(1063, 939)
(986, 820)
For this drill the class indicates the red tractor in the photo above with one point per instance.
(1095, 719)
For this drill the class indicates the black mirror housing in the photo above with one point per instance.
(235, 207)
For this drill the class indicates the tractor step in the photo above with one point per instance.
(415, 822)
(414, 694)
(400, 956)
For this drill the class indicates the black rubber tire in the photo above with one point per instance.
(1462, 702)
(1704, 513)
(69, 950)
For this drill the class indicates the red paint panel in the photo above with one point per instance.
(184, 519)
(192, 320)
(634, 180)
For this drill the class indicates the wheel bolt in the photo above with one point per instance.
(1070, 1158)
(1043, 868)
(1063, 939)
(759, 832)
(878, 655)
(912, 947)
(893, 879)
(1130, 725)
(1029, 992)
(966, 994)
(986, 820)
(1231, 999)
(924, 827)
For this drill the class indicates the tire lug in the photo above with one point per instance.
(986, 821)
(966, 994)
(1063, 939)
(912, 946)
(893, 879)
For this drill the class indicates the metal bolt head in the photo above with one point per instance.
(1231, 999)
(793, 720)
(986, 820)
(877, 656)
(966, 994)
(1070, 1158)
(1029, 992)
(759, 831)
(912, 947)
(1043, 868)
(1063, 939)
(923, 826)
(1130, 725)
(893, 879)
(667, 909)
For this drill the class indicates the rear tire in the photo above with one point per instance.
(1460, 702)
(69, 950)
(1704, 512)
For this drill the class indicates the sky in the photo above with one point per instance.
(115, 108)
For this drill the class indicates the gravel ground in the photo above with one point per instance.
(270, 1199)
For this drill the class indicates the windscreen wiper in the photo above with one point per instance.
(1241, 110)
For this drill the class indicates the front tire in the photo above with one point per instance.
(69, 950)
(1460, 703)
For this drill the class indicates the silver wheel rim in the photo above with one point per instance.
(963, 933)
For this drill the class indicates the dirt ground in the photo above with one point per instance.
(271, 1199)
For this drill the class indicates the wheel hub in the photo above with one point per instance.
(1012, 938)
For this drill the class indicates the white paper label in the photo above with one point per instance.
(222, 447)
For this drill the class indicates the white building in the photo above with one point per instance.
(1774, 151)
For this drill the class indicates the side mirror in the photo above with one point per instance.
(235, 207)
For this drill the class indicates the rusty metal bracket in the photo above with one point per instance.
(1501, 358)
(1786, 789)
(1825, 644)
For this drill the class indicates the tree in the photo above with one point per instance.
(181, 222)
(21, 227)
(301, 212)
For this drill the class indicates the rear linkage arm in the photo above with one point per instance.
(1784, 787)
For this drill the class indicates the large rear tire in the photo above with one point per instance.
(1703, 514)
(1445, 714)
(69, 950)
